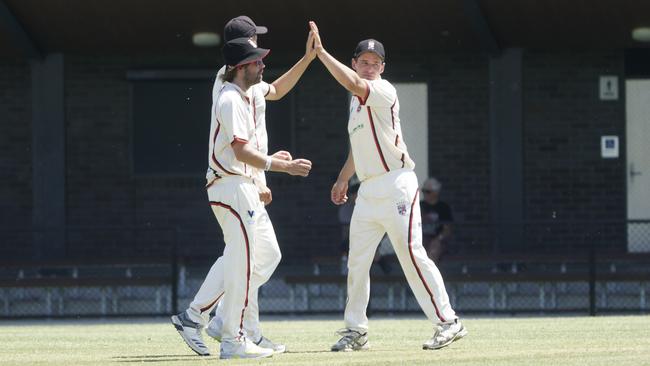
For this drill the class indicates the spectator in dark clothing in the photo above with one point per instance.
(436, 220)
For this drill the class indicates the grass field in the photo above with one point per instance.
(605, 340)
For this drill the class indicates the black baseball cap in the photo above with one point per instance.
(242, 26)
(370, 45)
(240, 51)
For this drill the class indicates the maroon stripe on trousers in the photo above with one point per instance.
(248, 260)
(203, 309)
(374, 135)
(424, 282)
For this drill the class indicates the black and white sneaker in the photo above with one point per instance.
(445, 334)
(191, 333)
(351, 340)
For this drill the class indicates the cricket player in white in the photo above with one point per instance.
(267, 254)
(387, 201)
(237, 200)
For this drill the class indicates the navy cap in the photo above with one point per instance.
(240, 51)
(242, 26)
(370, 45)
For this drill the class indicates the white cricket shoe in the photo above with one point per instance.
(191, 333)
(243, 348)
(267, 343)
(214, 328)
(445, 334)
(351, 340)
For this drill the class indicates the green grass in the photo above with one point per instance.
(605, 340)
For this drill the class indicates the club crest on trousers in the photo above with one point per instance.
(251, 217)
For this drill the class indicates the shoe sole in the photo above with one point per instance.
(365, 347)
(179, 327)
(461, 333)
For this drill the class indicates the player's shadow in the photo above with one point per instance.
(316, 351)
(159, 358)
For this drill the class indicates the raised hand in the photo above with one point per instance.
(310, 51)
(317, 43)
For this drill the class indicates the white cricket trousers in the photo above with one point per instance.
(250, 256)
(389, 204)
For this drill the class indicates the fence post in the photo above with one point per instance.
(592, 281)
(174, 270)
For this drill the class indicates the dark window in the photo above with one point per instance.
(171, 124)
(637, 63)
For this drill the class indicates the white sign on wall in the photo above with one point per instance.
(609, 146)
(609, 87)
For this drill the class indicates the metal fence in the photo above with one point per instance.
(592, 267)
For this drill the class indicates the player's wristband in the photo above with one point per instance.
(267, 166)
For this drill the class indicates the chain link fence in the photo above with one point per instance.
(560, 267)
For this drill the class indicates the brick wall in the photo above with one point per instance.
(459, 143)
(565, 178)
(305, 219)
(15, 157)
(101, 188)
(564, 175)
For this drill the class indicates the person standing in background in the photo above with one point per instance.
(437, 220)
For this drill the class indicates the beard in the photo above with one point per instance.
(251, 77)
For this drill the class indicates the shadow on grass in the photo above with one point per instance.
(301, 352)
(160, 358)
(170, 358)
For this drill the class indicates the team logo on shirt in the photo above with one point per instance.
(402, 208)
(356, 128)
(358, 108)
(251, 213)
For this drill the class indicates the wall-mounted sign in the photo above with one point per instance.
(609, 146)
(609, 87)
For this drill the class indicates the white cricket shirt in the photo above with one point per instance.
(232, 120)
(256, 95)
(375, 131)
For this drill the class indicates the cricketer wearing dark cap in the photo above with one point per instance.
(241, 51)
(238, 27)
(370, 45)
(242, 26)
(379, 157)
(239, 83)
